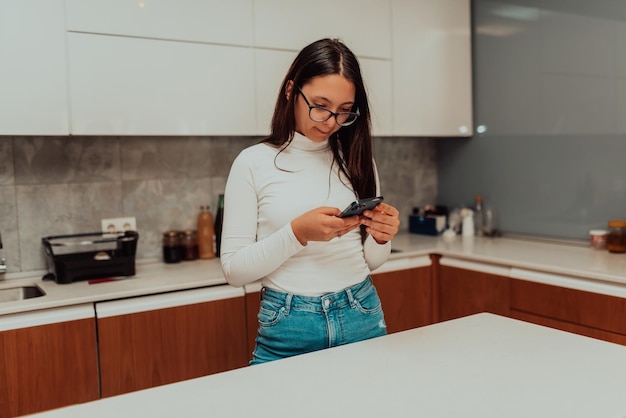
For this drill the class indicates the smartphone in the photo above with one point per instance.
(358, 206)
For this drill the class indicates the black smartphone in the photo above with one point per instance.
(358, 206)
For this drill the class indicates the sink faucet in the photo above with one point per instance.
(3, 262)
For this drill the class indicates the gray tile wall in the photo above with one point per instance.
(66, 185)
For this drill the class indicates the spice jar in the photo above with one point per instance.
(172, 250)
(616, 237)
(189, 244)
(597, 239)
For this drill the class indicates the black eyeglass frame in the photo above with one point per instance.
(330, 112)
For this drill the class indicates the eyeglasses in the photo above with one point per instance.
(321, 114)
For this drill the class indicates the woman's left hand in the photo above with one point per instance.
(382, 222)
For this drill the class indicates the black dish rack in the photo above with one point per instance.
(87, 256)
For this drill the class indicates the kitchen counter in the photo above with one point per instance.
(479, 366)
(585, 268)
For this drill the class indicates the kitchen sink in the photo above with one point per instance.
(13, 294)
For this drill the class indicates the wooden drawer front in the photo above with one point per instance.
(151, 348)
(466, 292)
(48, 366)
(593, 310)
(569, 327)
(253, 303)
(406, 298)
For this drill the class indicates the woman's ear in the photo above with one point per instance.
(288, 89)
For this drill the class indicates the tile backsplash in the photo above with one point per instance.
(66, 185)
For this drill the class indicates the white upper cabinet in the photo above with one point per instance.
(378, 83)
(364, 25)
(271, 68)
(33, 62)
(214, 21)
(432, 71)
(272, 65)
(134, 86)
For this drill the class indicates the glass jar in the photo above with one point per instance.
(616, 237)
(172, 250)
(597, 239)
(189, 244)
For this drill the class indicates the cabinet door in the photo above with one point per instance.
(130, 86)
(253, 303)
(212, 21)
(33, 69)
(272, 65)
(364, 25)
(377, 79)
(570, 327)
(48, 359)
(432, 70)
(155, 340)
(405, 293)
(467, 288)
(587, 309)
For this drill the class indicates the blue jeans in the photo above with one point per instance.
(290, 324)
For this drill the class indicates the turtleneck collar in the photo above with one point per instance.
(301, 142)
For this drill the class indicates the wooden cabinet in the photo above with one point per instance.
(33, 69)
(467, 288)
(405, 290)
(432, 68)
(160, 339)
(253, 303)
(48, 359)
(583, 312)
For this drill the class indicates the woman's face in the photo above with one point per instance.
(333, 92)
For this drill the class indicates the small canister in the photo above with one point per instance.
(189, 244)
(597, 239)
(172, 250)
(616, 236)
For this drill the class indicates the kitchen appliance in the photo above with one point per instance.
(87, 256)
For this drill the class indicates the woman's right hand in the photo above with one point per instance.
(322, 224)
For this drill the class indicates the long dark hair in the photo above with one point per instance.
(351, 145)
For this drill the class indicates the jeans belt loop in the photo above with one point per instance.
(350, 297)
(288, 303)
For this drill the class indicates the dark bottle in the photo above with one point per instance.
(219, 219)
(189, 245)
(172, 250)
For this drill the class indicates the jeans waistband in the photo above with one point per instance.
(336, 300)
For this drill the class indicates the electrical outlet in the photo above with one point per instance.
(119, 224)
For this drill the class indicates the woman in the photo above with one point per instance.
(282, 199)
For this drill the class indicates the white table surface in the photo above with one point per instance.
(478, 366)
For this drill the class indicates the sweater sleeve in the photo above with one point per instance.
(244, 259)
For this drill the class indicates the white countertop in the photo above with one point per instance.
(479, 366)
(602, 271)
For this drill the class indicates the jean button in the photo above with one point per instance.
(326, 303)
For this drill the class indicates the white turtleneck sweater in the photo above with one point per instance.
(260, 201)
